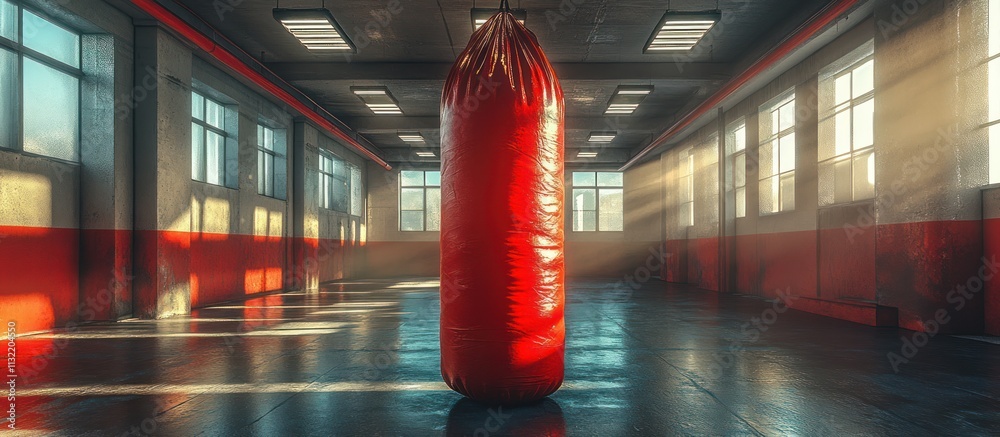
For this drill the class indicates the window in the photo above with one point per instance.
(419, 201)
(210, 145)
(598, 202)
(847, 128)
(994, 90)
(272, 162)
(777, 155)
(340, 187)
(40, 60)
(736, 147)
(685, 187)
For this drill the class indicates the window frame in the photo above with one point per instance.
(20, 51)
(207, 128)
(685, 187)
(773, 139)
(830, 114)
(734, 155)
(992, 62)
(425, 211)
(597, 189)
(262, 150)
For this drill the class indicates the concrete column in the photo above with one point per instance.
(106, 177)
(162, 174)
(305, 183)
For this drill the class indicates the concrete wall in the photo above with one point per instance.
(390, 252)
(896, 259)
(125, 231)
(65, 228)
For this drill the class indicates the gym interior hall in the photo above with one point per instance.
(723, 217)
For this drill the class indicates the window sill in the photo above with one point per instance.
(214, 185)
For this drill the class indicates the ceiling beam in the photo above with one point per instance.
(401, 71)
(373, 124)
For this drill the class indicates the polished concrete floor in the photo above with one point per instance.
(361, 358)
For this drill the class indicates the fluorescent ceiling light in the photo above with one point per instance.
(316, 29)
(627, 99)
(586, 155)
(378, 99)
(681, 31)
(411, 137)
(481, 15)
(424, 154)
(602, 137)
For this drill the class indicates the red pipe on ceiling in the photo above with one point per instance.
(205, 43)
(815, 25)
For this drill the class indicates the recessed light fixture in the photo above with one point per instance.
(481, 15)
(602, 137)
(316, 29)
(378, 99)
(411, 137)
(586, 155)
(425, 154)
(627, 99)
(681, 31)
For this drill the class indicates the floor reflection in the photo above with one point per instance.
(471, 418)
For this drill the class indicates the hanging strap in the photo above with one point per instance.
(505, 5)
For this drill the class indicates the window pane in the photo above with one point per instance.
(261, 188)
(50, 40)
(584, 179)
(788, 192)
(787, 153)
(197, 152)
(843, 142)
(686, 189)
(827, 183)
(864, 176)
(433, 209)
(52, 114)
(610, 180)
(864, 78)
(8, 20)
(584, 221)
(197, 107)
(215, 114)
(412, 178)
(357, 193)
(843, 192)
(341, 196)
(8, 99)
(281, 178)
(741, 202)
(740, 170)
(268, 139)
(584, 199)
(433, 178)
(788, 116)
(738, 139)
(612, 207)
(686, 216)
(842, 90)
(864, 125)
(411, 199)
(769, 195)
(994, 28)
(411, 221)
(768, 160)
(215, 158)
(995, 154)
(268, 175)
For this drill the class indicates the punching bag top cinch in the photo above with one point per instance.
(502, 265)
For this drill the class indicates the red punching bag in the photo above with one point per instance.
(502, 270)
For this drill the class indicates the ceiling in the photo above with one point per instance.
(595, 46)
